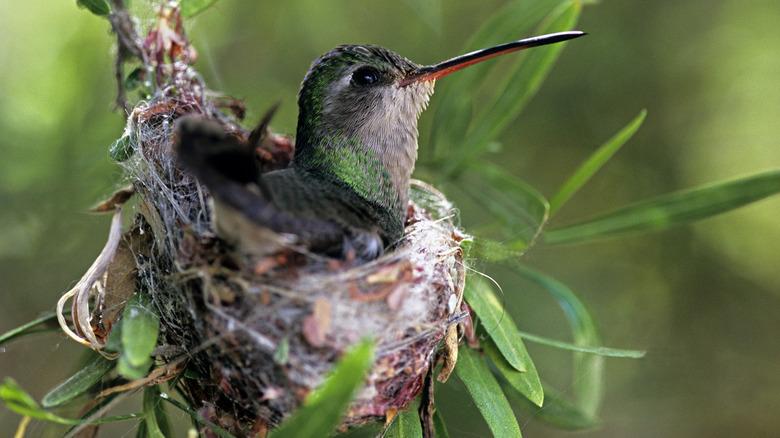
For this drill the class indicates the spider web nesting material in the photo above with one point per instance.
(259, 334)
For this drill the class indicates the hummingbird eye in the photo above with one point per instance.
(365, 76)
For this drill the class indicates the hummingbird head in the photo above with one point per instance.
(358, 112)
(357, 121)
(352, 98)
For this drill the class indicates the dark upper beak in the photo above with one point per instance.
(433, 72)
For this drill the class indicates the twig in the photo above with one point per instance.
(427, 404)
(116, 199)
(158, 375)
(128, 45)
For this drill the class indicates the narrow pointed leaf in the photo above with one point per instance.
(33, 326)
(486, 393)
(190, 8)
(78, 383)
(519, 211)
(588, 369)
(488, 250)
(405, 425)
(556, 411)
(440, 426)
(141, 432)
(672, 209)
(162, 419)
(520, 86)
(599, 351)
(12, 393)
(197, 418)
(97, 7)
(322, 413)
(497, 323)
(155, 423)
(592, 165)
(455, 95)
(527, 77)
(19, 401)
(527, 384)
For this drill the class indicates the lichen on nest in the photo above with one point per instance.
(257, 334)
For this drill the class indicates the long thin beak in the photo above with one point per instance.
(433, 72)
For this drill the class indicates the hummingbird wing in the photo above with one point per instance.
(285, 203)
(316, 197)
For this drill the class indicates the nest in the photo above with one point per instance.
(257, 334)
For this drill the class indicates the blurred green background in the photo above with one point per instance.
(704, 300)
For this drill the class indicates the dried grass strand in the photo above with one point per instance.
(80, 293)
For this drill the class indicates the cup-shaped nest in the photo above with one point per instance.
(261, 332)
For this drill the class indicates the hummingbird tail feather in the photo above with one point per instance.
(261, 130)
(229, 170)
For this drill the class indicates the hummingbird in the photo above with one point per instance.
(345, 192)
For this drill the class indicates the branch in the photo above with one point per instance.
(129, 45)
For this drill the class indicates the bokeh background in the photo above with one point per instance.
(704, 300)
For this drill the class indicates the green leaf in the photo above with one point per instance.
(588, 369)
(196, 417)
(191, 8)
(135, 78)
(526, 77)
(97, 7)
(323, 411)
(672, 209)
(556, 410)
(406, 424)
(141, 432)
(487, 394)
(497, 323)
(12, 393)
(519, 211)
(592, 165)
(154, 417)
(78, 383)
(28, 328)
(130, 371)
(122, 148)
(430, 199)
(439, 425)
(162, 419)
(140, 328)
(600, 351)
(527, 384)
(488, 250)
(19, 401)
(455, 94)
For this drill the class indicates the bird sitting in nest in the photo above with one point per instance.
(345, 193)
